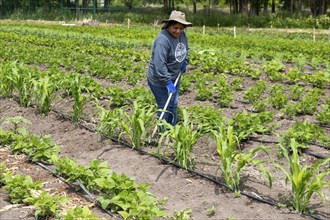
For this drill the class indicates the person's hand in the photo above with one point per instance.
(170, 87)
(184, 67)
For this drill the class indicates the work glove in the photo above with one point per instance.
(184, 66)
(170, 87)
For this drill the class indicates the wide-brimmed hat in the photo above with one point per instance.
(178, 16)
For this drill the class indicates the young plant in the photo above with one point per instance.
(7, 82)
(208, 118)
(109, 123)
(80, 212)
(305, 181)
(245, 124)
(324, 116)
(278, 97)
(224, 92)
(303, 133)
(43, 92)
(296, 91)
(253, 94)
(46, 205)
(132, 201)
(19, 187)
(185, 136)
(135, 126)
(232, 161)
(23, 78)
(79, 99)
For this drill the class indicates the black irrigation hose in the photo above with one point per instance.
(81, 186)
(167, 161)
(319, 156)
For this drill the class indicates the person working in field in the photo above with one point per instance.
(169, 58)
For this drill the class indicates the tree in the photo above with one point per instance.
(319, 7)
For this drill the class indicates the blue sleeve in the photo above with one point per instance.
(160, 54)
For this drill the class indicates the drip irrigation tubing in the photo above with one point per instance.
(167, 161)
(205, 176)
(81, 186)
(319, 156)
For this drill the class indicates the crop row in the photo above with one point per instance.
(219, 73)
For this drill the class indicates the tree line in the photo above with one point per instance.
(246, 7)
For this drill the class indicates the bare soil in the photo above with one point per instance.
(182, 189)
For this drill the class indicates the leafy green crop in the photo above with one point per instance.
(184, 136)
(304, 180)
(80, 212)
(19, 187)
(46, 205)
(232, 161)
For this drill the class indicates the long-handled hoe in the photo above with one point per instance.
(165, 108)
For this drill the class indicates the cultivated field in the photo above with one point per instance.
(252, 140)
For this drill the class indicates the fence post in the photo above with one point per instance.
(234, 31)
(128, 22)
(203, 29)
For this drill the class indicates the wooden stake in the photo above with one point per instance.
(203, 29)
(234, 31)
(128, 22)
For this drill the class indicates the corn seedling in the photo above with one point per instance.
(109, 122)
(79, 99)
(43, 91)
(7, 82)
(184, 136)
(232, 161)
(304, 180)
(135, 126)
(23, 79)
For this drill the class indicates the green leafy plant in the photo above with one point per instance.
(132, 201)
(7, 82)
(305, 181)
(16, 121)
(253, 94)
(183, 214)
(236, 84)
(46, 205)
(232, 161)
(278, 97)
(211, 211)
(79, 99)
(245, 124)
(296, 91)
(135, 126)
(80, 212)
(274, 70)
(19, 187)
(309, 102)
(184, 136)
(303, 133)
(3, 173)
(324, 116)
(109, 122)
(207, 117)
(224, 92)
(43, 92)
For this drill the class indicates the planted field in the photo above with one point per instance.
(252, 141)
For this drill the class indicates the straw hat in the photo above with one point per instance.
(178, 16)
